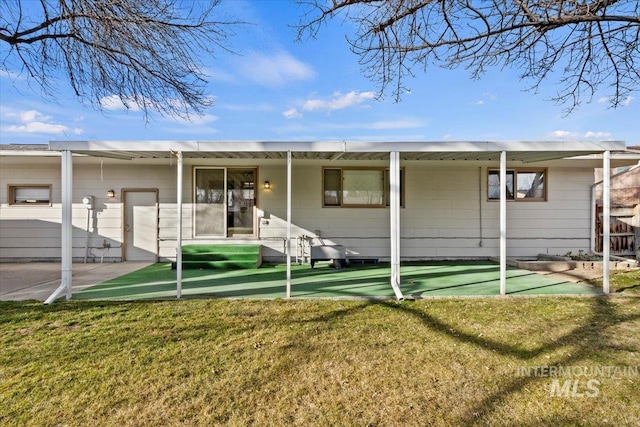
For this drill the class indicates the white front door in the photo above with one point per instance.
(140, 225)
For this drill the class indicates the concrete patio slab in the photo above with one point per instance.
(38, 280)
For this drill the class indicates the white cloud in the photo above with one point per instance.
(32, 121)
(275, 70)
(486, 97)
(218, 75)
(292, 113)
(563, 134)
(195, 119)
(10, 74)
(599, 135)
(337, 101)
(261, 107)
(115, 103)
(624, 103)
(398, 124)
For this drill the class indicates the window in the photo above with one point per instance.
(358, 187)
(30, 195)
(522, 185)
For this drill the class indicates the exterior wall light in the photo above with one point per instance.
(267, 185)
(111, 194)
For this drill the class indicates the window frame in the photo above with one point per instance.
(515, 172)
(11, 194)
(385, 178)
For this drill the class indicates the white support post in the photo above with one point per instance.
(503, 223)
(606, 219)
(288, 250)
(66, 250)
(593, 231)
(394, 210)
(179, 226)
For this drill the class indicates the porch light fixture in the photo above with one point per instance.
(267, 185)
(111, 194)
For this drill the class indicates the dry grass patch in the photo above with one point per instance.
(215, 362)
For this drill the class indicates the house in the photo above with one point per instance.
(111, 201)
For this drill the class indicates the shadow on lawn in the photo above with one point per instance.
(583, 340)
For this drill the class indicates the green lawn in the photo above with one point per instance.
(320, 362)
(626, 283)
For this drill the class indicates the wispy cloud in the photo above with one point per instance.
(10, 74)
(275, 70)
(195, 119)
(263, 106)
(292, 113)
(599, 135)
(625, 102)
(337, 101)
(116, 103)
(33, 121)
(486, 97)
(398, 124)
(565, 134)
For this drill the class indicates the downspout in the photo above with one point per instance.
(86, 241)
(66, 249)
(394, 208)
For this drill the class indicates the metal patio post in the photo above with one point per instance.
(606, 219)
(179, 226)
(288, 293)
(503, 223)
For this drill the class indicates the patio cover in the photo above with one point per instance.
(393, 151)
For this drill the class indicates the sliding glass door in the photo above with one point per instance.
(224, 202)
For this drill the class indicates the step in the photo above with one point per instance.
(217, 256)
(220, 256)
(217, 265)
(226, 249)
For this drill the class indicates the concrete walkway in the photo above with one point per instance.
(38, 280)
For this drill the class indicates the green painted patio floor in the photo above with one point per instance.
(418, 280)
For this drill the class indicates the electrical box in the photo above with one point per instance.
(88, 201)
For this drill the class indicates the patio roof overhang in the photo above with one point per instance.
(394, 152)
(524, 151)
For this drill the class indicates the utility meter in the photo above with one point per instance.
(87, 201)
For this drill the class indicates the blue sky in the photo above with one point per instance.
(280, 89)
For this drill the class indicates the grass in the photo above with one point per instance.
(317, 362)
(626, 282)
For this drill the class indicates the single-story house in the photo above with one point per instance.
(111, 201)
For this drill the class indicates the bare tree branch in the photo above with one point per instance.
(594, 45)
(144, 52)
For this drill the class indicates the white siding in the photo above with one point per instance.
(441, 217)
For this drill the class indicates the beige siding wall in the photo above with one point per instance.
(447, 214)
